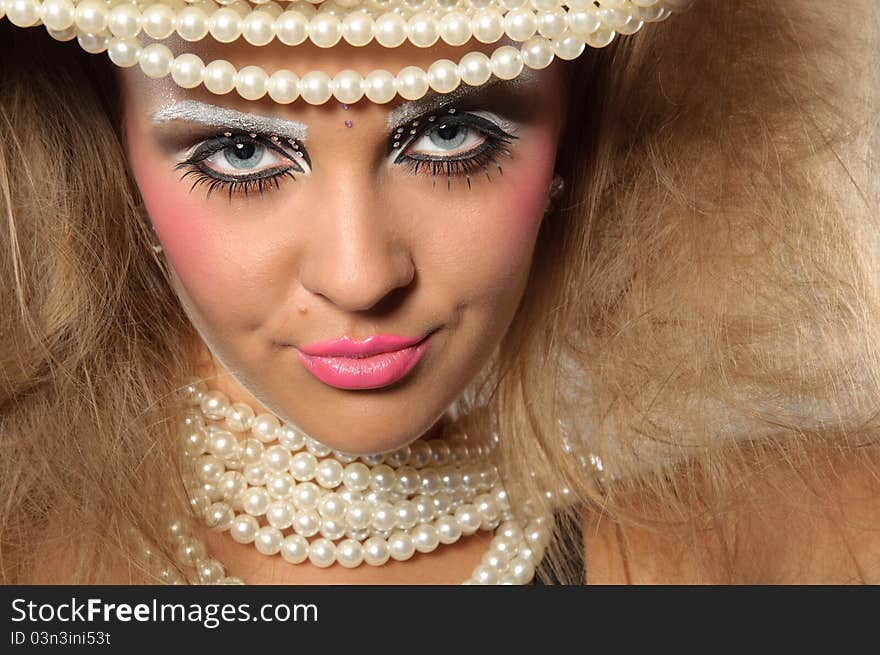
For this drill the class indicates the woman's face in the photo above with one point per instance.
(330, 231)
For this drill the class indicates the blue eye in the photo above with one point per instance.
(218, 162)
(448, 136)
(244, 155)
(457, 144)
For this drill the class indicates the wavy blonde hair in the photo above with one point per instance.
(703, 299)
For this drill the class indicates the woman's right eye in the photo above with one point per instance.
(242, 163)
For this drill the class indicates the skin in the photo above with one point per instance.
(355, 246)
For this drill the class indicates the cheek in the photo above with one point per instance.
(195, 243)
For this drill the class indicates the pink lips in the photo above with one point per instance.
(377, 361)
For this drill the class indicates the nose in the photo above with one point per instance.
(356, 256)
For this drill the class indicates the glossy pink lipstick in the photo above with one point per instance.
(374, 362)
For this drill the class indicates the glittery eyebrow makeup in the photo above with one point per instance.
(195, 111)
(411, 110)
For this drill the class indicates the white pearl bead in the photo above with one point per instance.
(287, 435)
(244, 528)
(425, 538)
(522, 570)
(379, 86)
(582, 22)
(221, 443)
(91, 16)
(225, 25)
(251, 449)
(256, 474)
(210, 571)
(520, 24)
(209, 468)
(303, 466)
(422, 30)
(384, 517)
(214, 404)
(356, 476)
(306, 495)
(307, 523)
(468, 519)
(448, 530)
(487, 26)
(325, 30)
(601, 38)
(349, 553)
(390, 30)
(347, 88)
(125, 53)
(484, 575)
(280, 514)
(322, 552)
(400, 546)
(219, 516)
(443, 76)
(475, 69)
(263, 426)
(239, 416)
(537, 53)
(292, 28)
(357, 28)
(277, 458)
(23, 13)
(382, 477)
(295, 549)
(158, 21)
(412, 84)
(507, 62)
(57, 14)
(258, 27)
(232, 484)
(455, 28)
(279, 486)
(187, 71)
(255, 501)
(283, 88)
(332, 507)
(315, 87)
(568, 46)
(268, 540)
(192, 24)
(376, 551)
(359, 515)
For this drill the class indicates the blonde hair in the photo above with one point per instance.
(702, 301)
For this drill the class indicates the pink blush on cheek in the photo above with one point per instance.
(184, 224)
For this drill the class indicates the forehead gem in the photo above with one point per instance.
(344, 105)
(348, 123)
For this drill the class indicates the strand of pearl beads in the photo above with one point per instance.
(511, 559)
(543, 37)
(440, 519)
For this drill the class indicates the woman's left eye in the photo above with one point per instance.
(454, 145)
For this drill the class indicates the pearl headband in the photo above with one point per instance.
(539, 29)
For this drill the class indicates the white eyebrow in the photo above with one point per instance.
(408, 111)
(195, 111)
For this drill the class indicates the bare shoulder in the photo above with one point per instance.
(818, 524)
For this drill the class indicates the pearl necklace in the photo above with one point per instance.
(367, 509)
(543, 29)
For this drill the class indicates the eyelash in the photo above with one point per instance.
(496, 143)
(244, 184)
